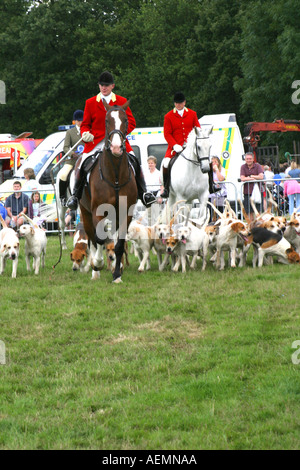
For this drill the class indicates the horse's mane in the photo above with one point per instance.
(190, 140)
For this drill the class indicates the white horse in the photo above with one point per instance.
(189, 173)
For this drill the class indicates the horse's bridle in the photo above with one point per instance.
(121, 134)
(200, 159)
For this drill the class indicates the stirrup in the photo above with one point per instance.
(72, 203)
(148, 199)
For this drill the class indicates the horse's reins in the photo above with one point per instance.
(53, 183)
(116, 168)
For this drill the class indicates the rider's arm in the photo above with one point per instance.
(168, 132)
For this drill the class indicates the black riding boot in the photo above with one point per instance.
(80, 179)
(145, 196)
(166, 178)
(63, 186)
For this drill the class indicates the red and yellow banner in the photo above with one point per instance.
(13, 153)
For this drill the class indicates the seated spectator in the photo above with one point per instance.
(3, 212)
(15, 204)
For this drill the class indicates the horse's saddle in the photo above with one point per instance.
(173, 160)
(90, 162)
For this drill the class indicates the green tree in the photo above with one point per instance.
(213, 58)
(270, 62)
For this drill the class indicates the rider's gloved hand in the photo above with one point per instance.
(177, 148)
(87, 137)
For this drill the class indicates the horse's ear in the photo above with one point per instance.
(106, 105)
(125, 105)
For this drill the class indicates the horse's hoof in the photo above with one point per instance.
(117, 281)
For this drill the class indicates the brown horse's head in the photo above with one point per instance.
(116, 128)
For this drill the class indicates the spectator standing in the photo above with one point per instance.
(31, 183)
(277, 176)
(294, 171)
(218, 197)
(250, 172)
(269, 175)
(292, 191)
(152, 176)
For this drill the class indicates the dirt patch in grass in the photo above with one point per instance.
(163, 328)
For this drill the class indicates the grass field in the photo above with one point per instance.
(163, 361)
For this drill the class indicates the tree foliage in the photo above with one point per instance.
(236, 56)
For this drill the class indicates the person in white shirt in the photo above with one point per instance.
(153, 176)
(31, 183)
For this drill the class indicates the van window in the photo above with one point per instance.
(46, 178)
(159, 151)
(137, 152)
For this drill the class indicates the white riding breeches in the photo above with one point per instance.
(166, 162)
(64, 171)
(84, 156)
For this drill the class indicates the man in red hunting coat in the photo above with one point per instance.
(178, 123)
(93, 134)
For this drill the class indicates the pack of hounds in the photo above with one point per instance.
(177, 241)
(183, 241)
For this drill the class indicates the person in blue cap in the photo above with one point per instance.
(72, 137)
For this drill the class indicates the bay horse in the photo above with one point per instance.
(189, 173)
(112, 191)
